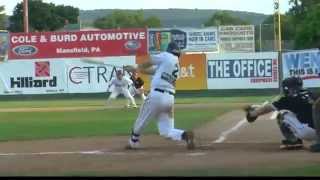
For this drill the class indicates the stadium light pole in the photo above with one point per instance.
(25, 16)
(260, 37)
(277, 23)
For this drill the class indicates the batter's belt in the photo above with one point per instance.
(164, 91)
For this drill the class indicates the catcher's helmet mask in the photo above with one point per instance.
(292, 85)
(174, 49)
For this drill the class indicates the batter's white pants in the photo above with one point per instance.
(300, 130)
(116, 92)
(160, 106)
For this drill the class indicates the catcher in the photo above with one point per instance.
(295, 113)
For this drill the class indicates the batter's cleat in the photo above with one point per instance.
(135, 106)
(133, 145)
(127, 106)
(188, 136)
(315, 147)
(290, 145)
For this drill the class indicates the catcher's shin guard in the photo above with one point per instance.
(285, 128)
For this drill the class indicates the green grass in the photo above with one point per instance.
(109, 122)
(298, 171)
(99, 102)
(45, 125)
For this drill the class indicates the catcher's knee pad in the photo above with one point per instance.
(287, 132)
(281, 116)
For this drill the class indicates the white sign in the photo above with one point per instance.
(188, 39)
(202, 39)
(54, 76)
(86, 77)
(242, 71)
(236, 38)
(32, 77)
(305, 64)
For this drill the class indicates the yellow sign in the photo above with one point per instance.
(192, 72)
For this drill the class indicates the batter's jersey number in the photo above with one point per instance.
(175, 71)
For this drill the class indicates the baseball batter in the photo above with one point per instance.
(121, 85)
(160, 101)
(137, 86)
(295, 117)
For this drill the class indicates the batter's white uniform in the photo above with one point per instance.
(160, 101)
(121, 87)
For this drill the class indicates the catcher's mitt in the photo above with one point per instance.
(249, 117)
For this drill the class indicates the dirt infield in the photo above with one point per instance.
(251, 146)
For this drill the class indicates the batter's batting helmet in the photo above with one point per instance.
(294, 84)
(174, 49)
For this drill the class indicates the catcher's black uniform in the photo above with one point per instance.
(138, 82)
(301, 105)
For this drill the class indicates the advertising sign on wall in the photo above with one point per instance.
(243, 71)
(192, 72)
(305, 64)
(3, 44)
(236, 38)
(84, 77)
(33, 77)
(123, 42)
(188, 39)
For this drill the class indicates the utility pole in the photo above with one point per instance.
(277, 31)
(260, 36)
(25, 16)
(277, 25)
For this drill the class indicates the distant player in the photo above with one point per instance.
(295, 117)
(137, 86)
(159, 103)
(121, 85)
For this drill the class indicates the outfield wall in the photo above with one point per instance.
(86, 61)
(197, 72)
(208, 71)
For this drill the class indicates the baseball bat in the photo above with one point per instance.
(97, 61)
(100, 62)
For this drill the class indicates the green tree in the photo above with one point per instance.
(43, 16)
(123, 19)
(2, 18)
(287, 28)
(153, 22)
(224, 18)
(308, 33)
(305, 18)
